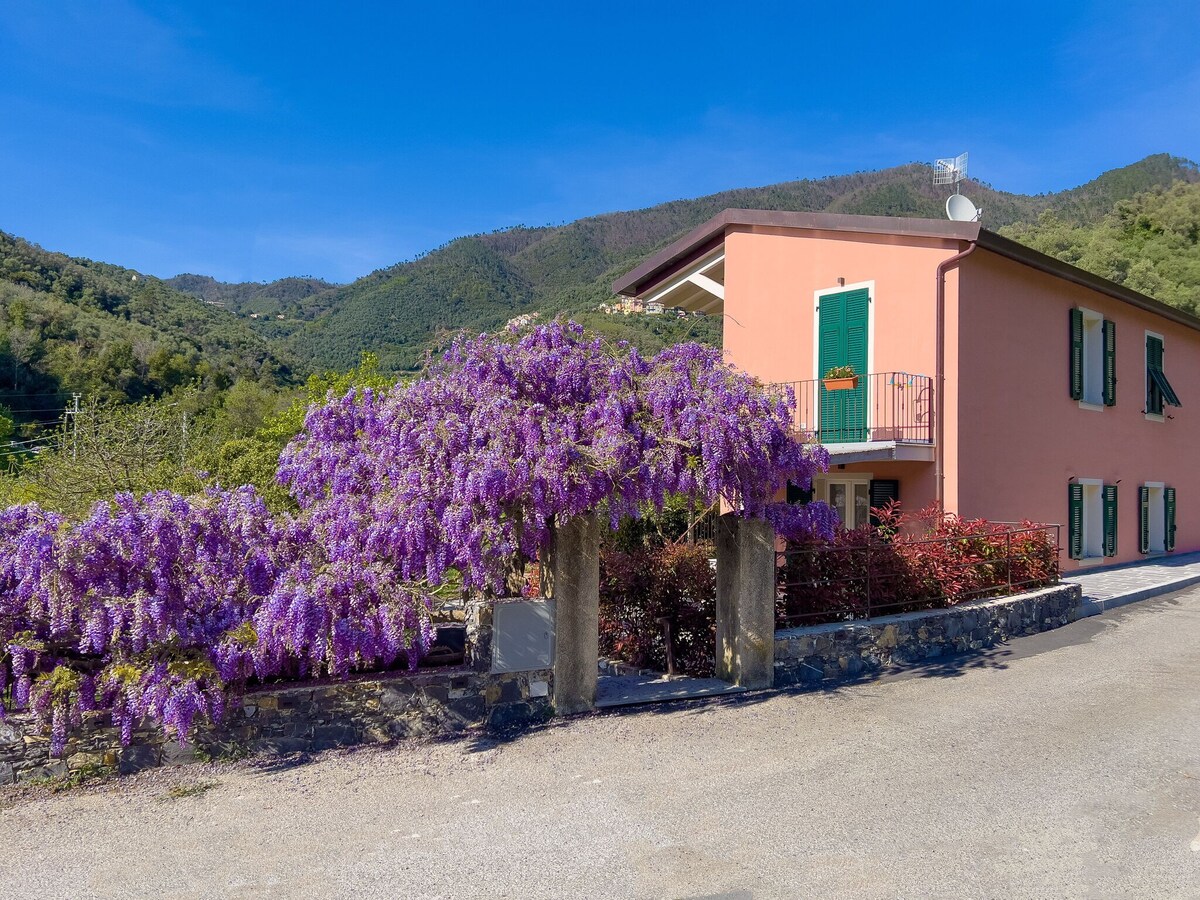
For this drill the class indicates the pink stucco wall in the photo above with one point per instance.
(771, 277)
(1022, 436)
(1013, 435)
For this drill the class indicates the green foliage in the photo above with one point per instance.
(1149, 243)
(478, 283)
(76, 325)
(106, 449)
(189, 789)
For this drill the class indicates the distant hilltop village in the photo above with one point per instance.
(633, 306)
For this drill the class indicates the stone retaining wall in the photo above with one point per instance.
(298, 718)
(843, 650)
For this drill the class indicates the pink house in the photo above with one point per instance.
(990, 377)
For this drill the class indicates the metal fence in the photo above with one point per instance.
(837, 583)
(882, 406)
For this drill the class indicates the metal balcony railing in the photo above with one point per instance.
(881, 406)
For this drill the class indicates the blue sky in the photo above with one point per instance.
(255, 140)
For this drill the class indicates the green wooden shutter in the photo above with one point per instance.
(1154, 360)
(1169, 515)
(1143, 519)
(858, 313)
(1110, 363)
(1076, 354)
(1075, 521)
(883, 491)
(797, 494)
(1110, 520)
(831, 351)
(842, 329)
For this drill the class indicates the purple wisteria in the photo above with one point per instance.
(161, 608)
(472, 464)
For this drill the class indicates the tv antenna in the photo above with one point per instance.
(954, 171)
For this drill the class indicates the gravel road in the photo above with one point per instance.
(1063, 765)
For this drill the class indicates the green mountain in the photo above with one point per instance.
(71, 324)
(76, 325)
(1150, 243)
(479, 282)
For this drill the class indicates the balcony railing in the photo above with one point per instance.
(882, 406)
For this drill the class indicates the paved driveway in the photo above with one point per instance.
(1067, 764)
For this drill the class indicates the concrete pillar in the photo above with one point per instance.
(745, 601)
(575, 564)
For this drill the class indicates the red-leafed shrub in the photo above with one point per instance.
(639, 586)
(908, 562)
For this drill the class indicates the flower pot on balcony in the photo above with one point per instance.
(841, 384)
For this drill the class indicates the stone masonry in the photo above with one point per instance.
(297, 718)
(844, 650)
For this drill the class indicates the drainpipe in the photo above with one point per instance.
(939, 400)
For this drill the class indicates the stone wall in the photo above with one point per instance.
(298, 718)
(843, 650)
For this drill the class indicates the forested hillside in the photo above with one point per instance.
(1150, 243)
(478, 282)
(76, 325)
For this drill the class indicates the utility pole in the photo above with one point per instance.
(75, 426)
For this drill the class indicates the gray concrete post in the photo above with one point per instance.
(575, 562)
(745, 601)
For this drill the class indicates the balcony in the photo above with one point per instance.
(887, 415)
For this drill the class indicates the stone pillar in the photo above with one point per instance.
(575, 563)
(745, 601)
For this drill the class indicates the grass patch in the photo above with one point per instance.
(56, 784)
(191, 789)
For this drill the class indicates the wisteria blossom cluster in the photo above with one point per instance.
(161, 608)
(472, 464)
(140, 609)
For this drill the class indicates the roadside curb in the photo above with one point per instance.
(1090, 606)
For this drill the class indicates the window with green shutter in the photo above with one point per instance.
(1093, 357)
(1169, 519)
(1110, 363)
(1075, 520)
(1110, 519)
(1076, 354)
(1158, 388)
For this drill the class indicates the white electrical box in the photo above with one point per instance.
(522, 635)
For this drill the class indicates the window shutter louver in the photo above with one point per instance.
(1110, 520)
(882, 491)
(797, 494)
(1110, 363)
(1154, 362)
(1143, 519)
(1076, 354)
(1075, 521)
(1169, 515)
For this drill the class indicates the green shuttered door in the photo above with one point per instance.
(1169, 515)
(1110, 520)
(1075, 521)
(1143, 520)
(843, 332)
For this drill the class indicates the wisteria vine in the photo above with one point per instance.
(162, 608)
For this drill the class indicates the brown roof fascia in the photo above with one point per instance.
(989, 240)
(710, 234)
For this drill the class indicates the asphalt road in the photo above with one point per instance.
(1064, 765)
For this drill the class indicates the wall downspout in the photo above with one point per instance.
(939, 415)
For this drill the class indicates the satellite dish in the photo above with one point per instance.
(960, 209)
